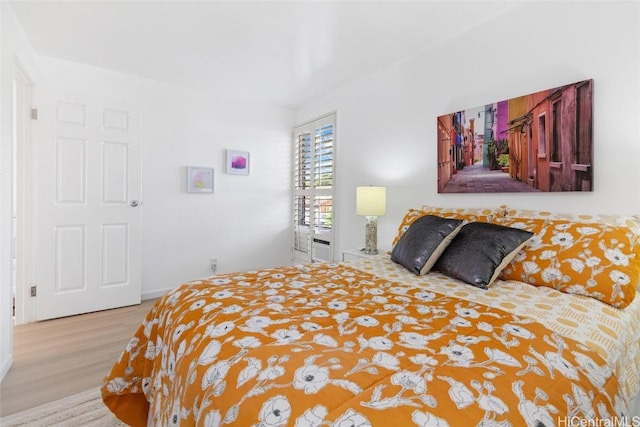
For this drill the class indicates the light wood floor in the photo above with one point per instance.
(61, 357)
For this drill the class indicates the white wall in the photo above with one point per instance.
(245, 223)
(387, 121)
(15, 50)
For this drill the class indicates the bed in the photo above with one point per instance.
(418, 336)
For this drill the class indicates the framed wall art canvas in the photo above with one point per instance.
(541, 142)
(200, 179)
(237, 162)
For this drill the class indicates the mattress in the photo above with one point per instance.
(365, 343)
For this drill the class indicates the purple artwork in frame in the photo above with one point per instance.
(237, 162)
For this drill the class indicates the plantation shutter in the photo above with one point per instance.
(313, 184)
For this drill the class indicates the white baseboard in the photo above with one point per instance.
(6, 365)
(154, 294)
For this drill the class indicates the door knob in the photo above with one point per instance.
(133, 203)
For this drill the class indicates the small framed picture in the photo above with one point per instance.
(237, 162)
(199, 179)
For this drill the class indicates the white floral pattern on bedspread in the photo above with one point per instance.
(614, 333)
(330, 345)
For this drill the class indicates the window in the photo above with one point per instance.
(313, 185)
(542, 135)
(556, 131)
(584, 119)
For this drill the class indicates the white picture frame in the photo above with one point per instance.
(200, 179)
(238, 162)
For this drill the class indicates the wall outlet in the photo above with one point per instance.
(213, 263)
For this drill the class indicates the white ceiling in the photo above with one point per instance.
(281, 52)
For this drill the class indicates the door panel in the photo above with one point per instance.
(70, 170)
(115, 180)
(70, 258)
(115, 254)
(88, 232)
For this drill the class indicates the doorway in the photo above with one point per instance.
(22, 205)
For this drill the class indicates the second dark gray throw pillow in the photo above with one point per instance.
(480, 252)
(423, 242)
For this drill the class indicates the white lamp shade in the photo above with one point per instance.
(371, 201)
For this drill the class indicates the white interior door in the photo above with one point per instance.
(87, 205)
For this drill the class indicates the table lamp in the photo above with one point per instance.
(371, 203)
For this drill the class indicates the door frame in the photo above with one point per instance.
(23, 201)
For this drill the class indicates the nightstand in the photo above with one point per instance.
(355, 253)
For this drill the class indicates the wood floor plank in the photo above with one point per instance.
(57, 358)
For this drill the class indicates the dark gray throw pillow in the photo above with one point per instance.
(480, 252)
(424, 241)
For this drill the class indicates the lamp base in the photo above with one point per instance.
(371, 235)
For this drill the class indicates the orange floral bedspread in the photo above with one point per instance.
(330, 345)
